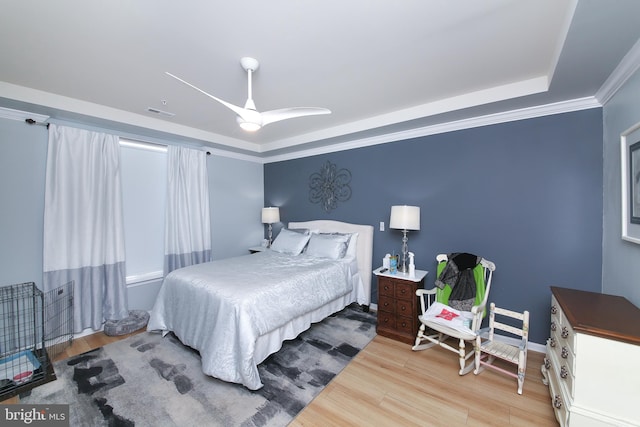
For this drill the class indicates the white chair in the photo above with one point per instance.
(488, 348)
(439, 321)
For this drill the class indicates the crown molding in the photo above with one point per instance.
(625, 69)
(11, 114)
(486, 120)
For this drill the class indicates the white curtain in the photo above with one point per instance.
(83, 224)
(187, 229)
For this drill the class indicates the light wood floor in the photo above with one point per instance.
(388, 384)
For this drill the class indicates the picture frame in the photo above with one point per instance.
(630, 183)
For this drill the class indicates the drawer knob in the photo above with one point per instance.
(565, 352)
(565, 332)
(552, 342)
(554, 309)
(553, 326)
(564, 372)
(557, 402)
(547, 363)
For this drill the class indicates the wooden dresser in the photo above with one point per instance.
(593, 357)
(398, 305)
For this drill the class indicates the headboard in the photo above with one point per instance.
(364, 249)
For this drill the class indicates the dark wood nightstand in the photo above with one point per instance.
(398, 304)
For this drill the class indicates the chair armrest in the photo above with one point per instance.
(478, 309)
(478, 314)
(425, 302)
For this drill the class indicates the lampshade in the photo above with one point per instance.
(270, 215)
(405, 217)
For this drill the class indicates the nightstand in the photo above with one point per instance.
(398, 304)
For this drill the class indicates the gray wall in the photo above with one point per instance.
(23, 155)
(236, 196)
(236, 188)
(621, 259)
(526, 195)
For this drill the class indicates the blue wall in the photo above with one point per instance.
(526, 195)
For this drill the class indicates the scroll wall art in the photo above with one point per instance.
(329, 186)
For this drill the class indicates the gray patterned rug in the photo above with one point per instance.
(147, 380)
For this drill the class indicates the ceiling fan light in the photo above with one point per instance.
(249, 126)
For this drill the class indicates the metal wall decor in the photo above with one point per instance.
(329, 186)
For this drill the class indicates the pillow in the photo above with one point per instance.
(290, 242)
(332, 246)
(300, 230)
(352, 248)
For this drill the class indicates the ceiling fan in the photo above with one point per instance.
(249, 118)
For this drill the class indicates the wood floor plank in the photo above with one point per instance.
(387, 383)
(424, 388)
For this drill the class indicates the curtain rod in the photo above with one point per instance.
(33, 122)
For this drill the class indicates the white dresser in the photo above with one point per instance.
(592, 365)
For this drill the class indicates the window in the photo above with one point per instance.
(144, 183)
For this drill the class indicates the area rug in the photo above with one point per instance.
(147, 380)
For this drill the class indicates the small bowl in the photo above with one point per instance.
(23, 377)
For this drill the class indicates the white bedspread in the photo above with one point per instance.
(220, 308)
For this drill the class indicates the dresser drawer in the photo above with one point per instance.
(405, 291)
(562, 357)
(386, 320)
(405, 325)
(567, 335)
(386, 287)
(386, 303)
(562, 350)
(558, 399)
(561, 326)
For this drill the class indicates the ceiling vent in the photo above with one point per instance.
(161, 112)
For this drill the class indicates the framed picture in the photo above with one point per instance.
(630, 176)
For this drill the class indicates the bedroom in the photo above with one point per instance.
(546, 190)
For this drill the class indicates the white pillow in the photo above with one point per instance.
(332, 246)
(352, 248)
(290, 242)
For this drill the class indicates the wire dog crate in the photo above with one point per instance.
(34, 326)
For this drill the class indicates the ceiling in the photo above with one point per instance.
(381, 68)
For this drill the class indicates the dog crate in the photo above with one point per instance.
(34, 328)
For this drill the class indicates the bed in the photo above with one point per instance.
(238, 311)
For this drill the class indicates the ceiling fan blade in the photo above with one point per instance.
(238, 110)
(291, 113)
